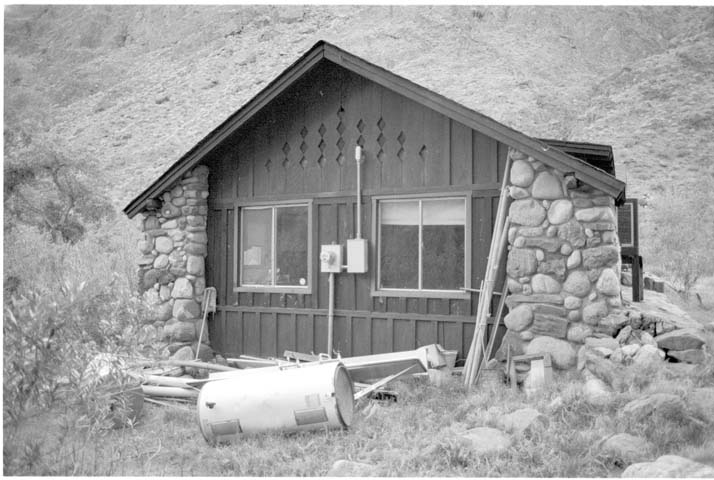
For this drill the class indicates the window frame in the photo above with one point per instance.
(376, 291)
(237, 244)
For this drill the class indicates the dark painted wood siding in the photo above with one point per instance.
(301, 146)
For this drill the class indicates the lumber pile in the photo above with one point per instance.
(479, 351)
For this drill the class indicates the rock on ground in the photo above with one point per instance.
(644, 406)
(522, 420)
(485, 440)
(347, 468)
(669, 466)
(627, 448)
(683, 339)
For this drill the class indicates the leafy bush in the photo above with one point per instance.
(71, 306)
(680, 245)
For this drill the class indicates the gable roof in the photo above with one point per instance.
(550, 155)
(596, 154)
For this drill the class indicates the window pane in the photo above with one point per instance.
(291, 245)
(256, 247)
(443, 249)
(399, 244)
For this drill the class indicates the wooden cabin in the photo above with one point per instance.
(282, 182)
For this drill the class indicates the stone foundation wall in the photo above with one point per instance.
(172, 266)
(563, 263)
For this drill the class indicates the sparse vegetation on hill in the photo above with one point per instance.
(100, 100)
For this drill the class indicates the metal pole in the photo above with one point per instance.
(330, 312)
(358, 158)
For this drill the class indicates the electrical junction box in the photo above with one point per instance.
(330, 258)
(357, 258)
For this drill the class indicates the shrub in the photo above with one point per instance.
(680, 246)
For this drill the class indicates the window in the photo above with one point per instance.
(274, 246)
(422, 244)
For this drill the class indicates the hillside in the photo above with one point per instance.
(133, 88)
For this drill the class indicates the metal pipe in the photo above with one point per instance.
(358, 158)
(330, 311)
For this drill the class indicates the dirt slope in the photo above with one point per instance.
(133, 88)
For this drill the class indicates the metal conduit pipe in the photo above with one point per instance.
(358, 158)
(330, 311)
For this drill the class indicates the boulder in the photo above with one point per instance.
(522, 173)
(554, 265)
(549, 244)
(687, 356)
(608, 283)
(518, 193)
(195, 265)
(521, 262)
(185, 309)
(657, 402)
(560, 211)
(607, 342)
(624, 335)
(182, 288)
(183, 353)
(631, 350)
(161, 312)
(522, 420)
(519, 318)
(348, 468)
(486, 440)
(626, 448)
(578, 332)
(561, 352)
(684, 339)
(527, 212)
(180, 332)
(574, 260)
(595, 214)
(572, 232)
(647, 354)
(163, 244)
(577, 284)
(544, 284)
(550, 325)
(602, 256)
(669, 466)
(594, 312)
(572, 303)
(596, 392)
(547, 186)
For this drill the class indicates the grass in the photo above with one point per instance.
(417, 436)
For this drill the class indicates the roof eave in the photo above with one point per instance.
(527, 145)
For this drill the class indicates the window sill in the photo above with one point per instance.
(257, 289)
(397, 292)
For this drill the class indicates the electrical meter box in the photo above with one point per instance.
(330, 258)
(357, 255)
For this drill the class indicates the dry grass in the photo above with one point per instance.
(417, 436)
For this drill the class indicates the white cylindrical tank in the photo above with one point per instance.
(284, 398)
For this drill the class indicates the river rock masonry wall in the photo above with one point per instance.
(563, 262)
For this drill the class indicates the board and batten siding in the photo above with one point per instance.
(301, 146)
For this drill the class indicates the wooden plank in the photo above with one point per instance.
(305, 326)
(313, 102)
(295, 123)
(436, 140)
(404, 335)
(451, 339)
(381, 336)
(389, 126)
(331, 170)
(286, 331)
(370, 108)
(319, 333)
(412, 144)
(251, 333)
(342, 341)
(222, 261)
(277, 134)
(462, 158)
(268, 335)
(438, 306)
(229, 264)
(485, 158)
(426, 332)
(361, 336)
